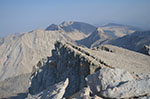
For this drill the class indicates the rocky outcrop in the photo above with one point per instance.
(114, 83)
(134, 88)
(53, 92)
(67, 61)
(107, 78)
(98, 66)
(145, 50)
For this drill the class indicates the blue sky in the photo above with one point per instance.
(26, 15)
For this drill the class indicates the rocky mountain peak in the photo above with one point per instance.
(100, 30)
(66, 23)
(53, 27)
(70, 26)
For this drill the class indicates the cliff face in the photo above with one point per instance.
(77, 63)
(67, 61)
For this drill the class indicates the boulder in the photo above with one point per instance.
(107, 78)
(134, 88)
(53, 92)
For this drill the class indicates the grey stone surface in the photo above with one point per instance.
(107, 78)
(76, 63)
(67, 61)
(134, 88)
(53, 92)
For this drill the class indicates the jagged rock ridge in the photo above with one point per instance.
(77, 63)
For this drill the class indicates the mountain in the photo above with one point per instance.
(76, 72)
(135, 41)
(93, 72)
(11, 87)
(106, 33)
(96, 38)
(19, 53)
(75, 30)
(119, 30)
(50, 64)
(70, 26)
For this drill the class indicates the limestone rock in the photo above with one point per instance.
(107, 78)
(134, 88)
(53, 92)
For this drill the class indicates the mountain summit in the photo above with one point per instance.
(70, 26)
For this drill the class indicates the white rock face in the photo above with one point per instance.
(107, 78)
(53, 92)
(76, 63)
(19, 53)
(135, 88)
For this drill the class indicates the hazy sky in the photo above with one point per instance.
(26, 15)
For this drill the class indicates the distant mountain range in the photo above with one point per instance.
(45, 57)
(135, 41)
(106, 33)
